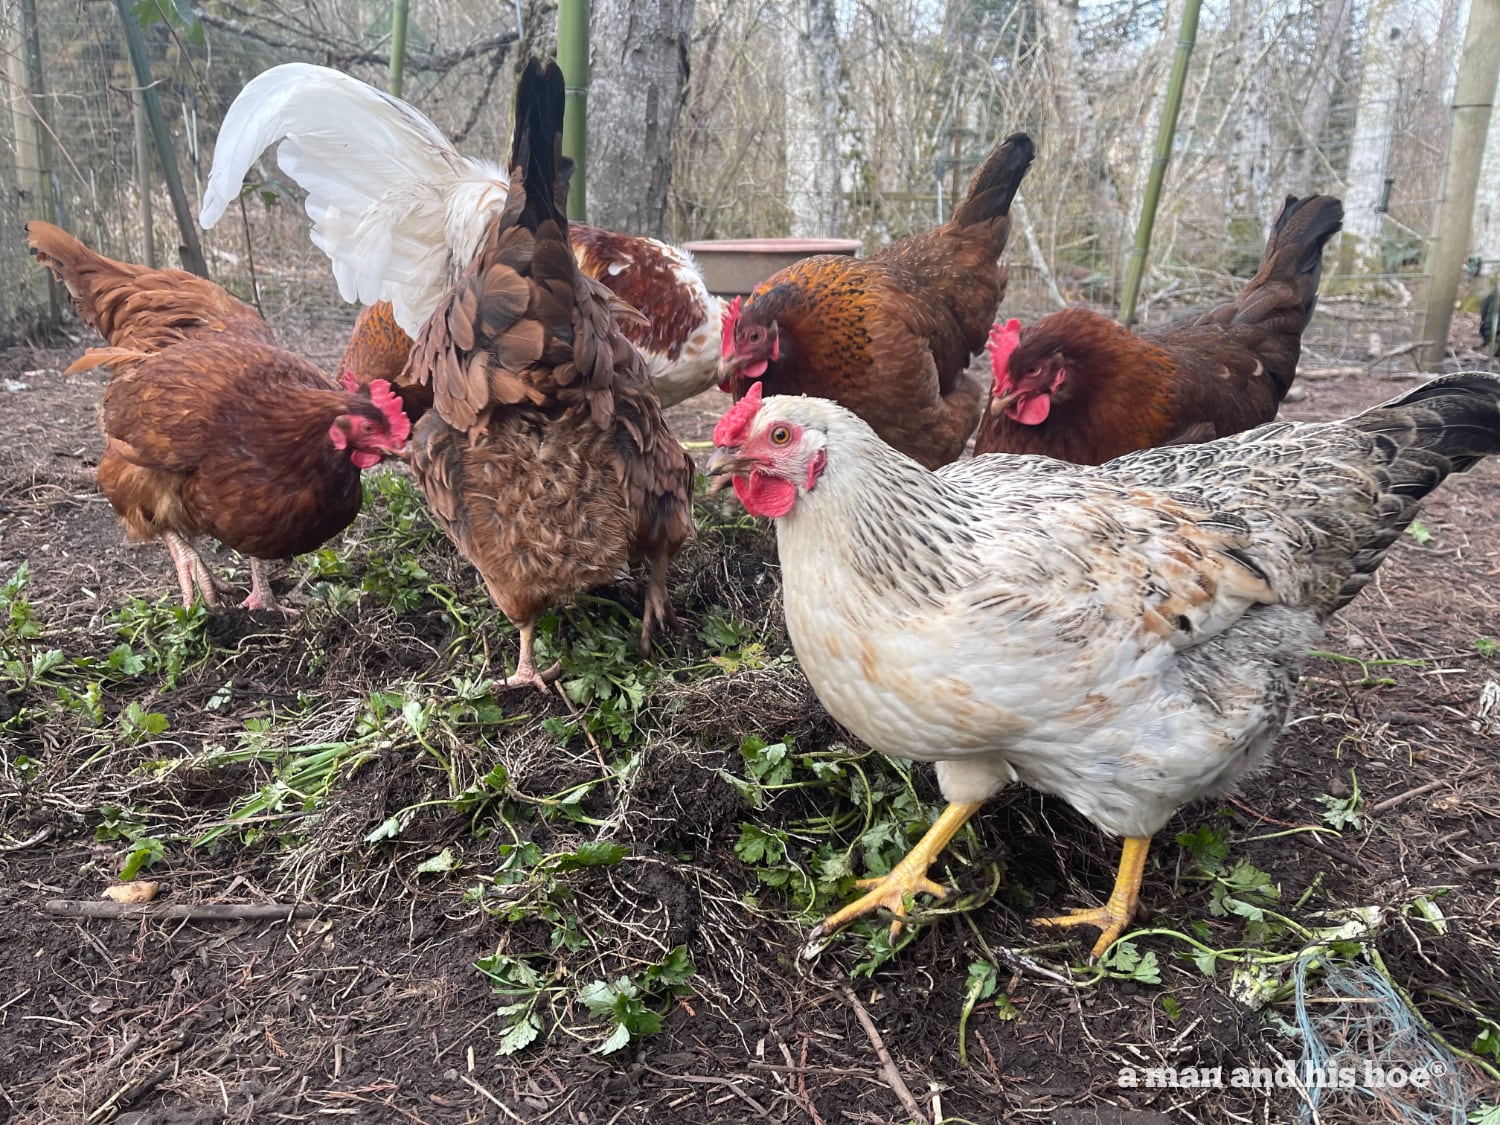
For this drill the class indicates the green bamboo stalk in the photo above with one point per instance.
(398, 46)
(1473, 103)
(1135, 270)
(573, 57)
(191, 251)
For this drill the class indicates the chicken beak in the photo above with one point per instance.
(1000, 403)
(723, 467)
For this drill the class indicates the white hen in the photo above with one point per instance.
(1125, 636)
(400, 213)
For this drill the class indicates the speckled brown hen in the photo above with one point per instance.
(545, 456)
(889, 336)
(1125, 636)
(1077, 386)
(209, 427)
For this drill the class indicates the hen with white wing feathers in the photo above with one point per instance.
(401, 213)
(1126, 636)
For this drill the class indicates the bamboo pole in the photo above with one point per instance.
(398, 46)
(573, 57)
(143, 179)
(190, 250)
(1135, 269)
(1473, 103)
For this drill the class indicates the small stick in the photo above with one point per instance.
(1392, 802)
(194, 911)
(887, 1064)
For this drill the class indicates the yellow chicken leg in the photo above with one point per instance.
(1116, 914)
(907, 878)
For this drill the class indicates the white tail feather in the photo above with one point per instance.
(396, 208)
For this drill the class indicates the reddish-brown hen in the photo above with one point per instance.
(889, 336)
(1079, 387)
(209, 427)
(545, 456)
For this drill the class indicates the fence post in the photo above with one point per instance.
(1136, 268)
(33, 138)
(1473, 102)
(191, 250)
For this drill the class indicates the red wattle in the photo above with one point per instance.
(1030, 410)
(364, 459)
(765, 496)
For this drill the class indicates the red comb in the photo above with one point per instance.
(726, 326)
(390, 405)
(349, 381)
(1003, 341)
(734, 427)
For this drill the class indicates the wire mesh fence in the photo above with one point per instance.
(1343, 96)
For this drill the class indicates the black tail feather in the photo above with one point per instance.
(537, 148)
(1294, 252)
(994, 186)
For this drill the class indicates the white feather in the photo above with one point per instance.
(396, 208)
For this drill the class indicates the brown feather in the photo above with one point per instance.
(562, 472)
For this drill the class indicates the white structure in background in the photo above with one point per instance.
(1389, 26)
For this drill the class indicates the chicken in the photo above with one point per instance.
(1126, 636)
(378, 348)
(545, 456)
(401, 214)
(1489, 322)
(210, 428)
(1079, 387)
(889, 336)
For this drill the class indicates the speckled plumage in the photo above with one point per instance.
(545, 456)
(1125, 636)
(401, 213)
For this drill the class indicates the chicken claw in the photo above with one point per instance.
(1119, 911)
(526, 674)
(260, 595)
(194, 576)
(658, 609)
(909, 877)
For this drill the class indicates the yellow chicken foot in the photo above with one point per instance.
(908, 877)
(1119, 911)
(526, 674)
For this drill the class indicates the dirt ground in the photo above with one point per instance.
(367, 1005)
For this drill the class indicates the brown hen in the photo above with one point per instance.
(210, 428)
(1079, 387)
(545, 456)
(889, 336)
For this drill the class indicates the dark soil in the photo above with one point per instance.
(370, 1009)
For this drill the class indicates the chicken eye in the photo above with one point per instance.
(780, 435)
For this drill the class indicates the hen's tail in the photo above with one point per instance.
(1271, 314)
(1445, 426)
(994, 187)
(395, 207)
(536, 150)
(96, 284)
